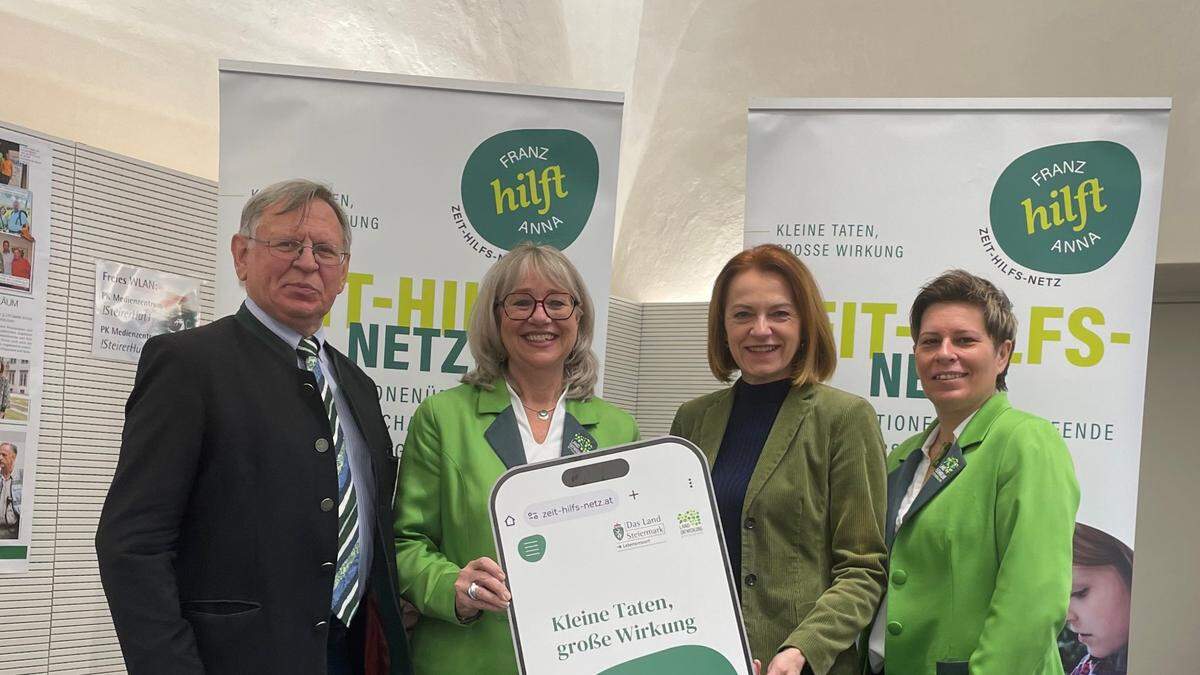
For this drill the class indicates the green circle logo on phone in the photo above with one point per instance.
(1067, 208)
(532, 548)
(534, 185)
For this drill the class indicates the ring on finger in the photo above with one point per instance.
(473, 591)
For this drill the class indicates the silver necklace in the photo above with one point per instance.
(543, 414)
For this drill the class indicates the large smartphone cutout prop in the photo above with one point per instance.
(617, 565)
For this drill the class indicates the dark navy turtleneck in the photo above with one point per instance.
(755, 407)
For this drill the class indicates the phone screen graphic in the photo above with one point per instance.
(617, 566)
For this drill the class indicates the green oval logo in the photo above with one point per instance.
(532, 548)
(534, 185)
(1068, 208)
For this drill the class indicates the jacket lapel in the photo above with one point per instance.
(787, 422)
(952, 463)
(505, 438)
(948, 467)
(898, 482)
(251, 323)
(712, 427)
(576, 438)
(503, 434)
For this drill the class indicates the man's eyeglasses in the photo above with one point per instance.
(290, 249)
(520, 306)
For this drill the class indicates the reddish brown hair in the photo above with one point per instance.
(1097, 548)
(816, 357)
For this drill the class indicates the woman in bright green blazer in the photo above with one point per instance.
(797, 466)
(981, 506)
(529, 398)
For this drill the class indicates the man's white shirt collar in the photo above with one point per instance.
(283, 331)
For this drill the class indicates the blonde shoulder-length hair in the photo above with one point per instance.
(491, 359)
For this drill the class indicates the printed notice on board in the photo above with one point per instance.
(134, 304)
(25, 171)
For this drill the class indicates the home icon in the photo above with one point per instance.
(509, 521)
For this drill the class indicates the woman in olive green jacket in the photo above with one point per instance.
(528, 399)
(981, 506)
(798, 468)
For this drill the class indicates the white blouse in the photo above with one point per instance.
(551, 448)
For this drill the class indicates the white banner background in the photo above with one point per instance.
(394, 148)
(879, 196)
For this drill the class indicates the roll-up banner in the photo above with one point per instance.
(439, 178)
(1054, 200)
(26, 167)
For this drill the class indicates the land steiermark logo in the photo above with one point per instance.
(689, 522)
(1067, 208)
(534, 185)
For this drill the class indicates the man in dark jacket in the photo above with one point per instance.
(248, 526)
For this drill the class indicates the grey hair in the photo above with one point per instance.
(581, 368)
(11, 445)
(290, 195)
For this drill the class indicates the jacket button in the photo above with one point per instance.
(320, 625)
(750, 523)
(307, 387)
(751, 579)
(326, 567)
(321, 445)
(327, 504)
(895, 627)
(899, 577)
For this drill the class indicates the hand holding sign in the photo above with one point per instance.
(480, 586)
(787, 662)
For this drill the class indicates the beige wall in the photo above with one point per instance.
(699, 62)
(1166, 595)
(140, 77)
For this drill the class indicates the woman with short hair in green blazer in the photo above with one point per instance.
(529, 398)
(981, 505)
(797, 467)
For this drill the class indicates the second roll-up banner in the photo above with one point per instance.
(439, 178)
(1054, 200)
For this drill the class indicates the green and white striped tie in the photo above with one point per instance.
(345, 578)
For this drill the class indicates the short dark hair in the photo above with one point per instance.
(962, 286)
(816, 357)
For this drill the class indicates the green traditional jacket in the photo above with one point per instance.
(459, 442)
(980, 570)
(813, 553)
